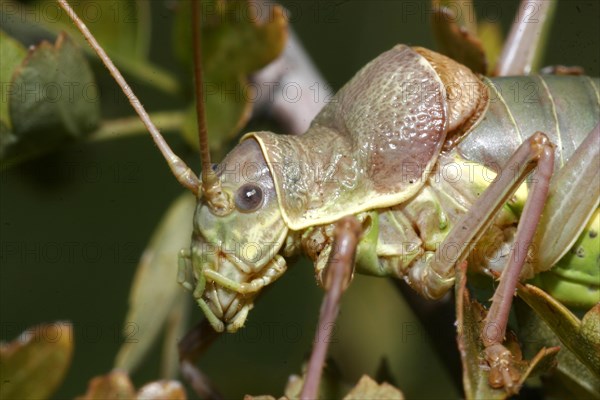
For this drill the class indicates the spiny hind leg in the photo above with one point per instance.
(493, 333)
(580, 171)
(433, 273)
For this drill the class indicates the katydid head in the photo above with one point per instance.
(238, 226)
(234, 253)
(238, 229)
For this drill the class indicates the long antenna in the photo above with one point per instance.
(200, 112)
(217, 200)
(180, 170)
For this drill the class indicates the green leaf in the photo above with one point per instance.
(12, 54)
(236, 42)
(122, 27)
(590, 328)
(155, 292)
(492, 40)
(53, 98)
(236, 38)
(571, 378)
(582, 340)
(54, 87)
(454, 28)
(7, 139)
(32, 366)
(227, 113)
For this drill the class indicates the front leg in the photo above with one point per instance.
(337, 275)
(271, 272)
(184, 270)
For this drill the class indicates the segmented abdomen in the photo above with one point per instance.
(565, 108)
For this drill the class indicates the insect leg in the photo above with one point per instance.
(184, 264)
(341, 263)
(272, 272)
(434, 272)
(497, 317)
(191, 348)
(492, 335)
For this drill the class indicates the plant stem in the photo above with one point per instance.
(130, 126)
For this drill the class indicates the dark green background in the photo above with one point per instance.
(108, 197)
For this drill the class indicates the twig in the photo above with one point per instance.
(293, 70)
(131, 126)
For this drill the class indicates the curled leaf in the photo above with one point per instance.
(454, 28)
(590, 328)
(52, 98)
(33, 365)
(581, 339)
(571, 378)
(122, 27)
(12, 54)
(238, 38)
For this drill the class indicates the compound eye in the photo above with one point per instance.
(249, 197)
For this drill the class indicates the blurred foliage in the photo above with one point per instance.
(33, 365)
(12, 54)
(235, 44)
(572, 378)
(52, 98)
(582, 338)
(454, 25)
(117, 385)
